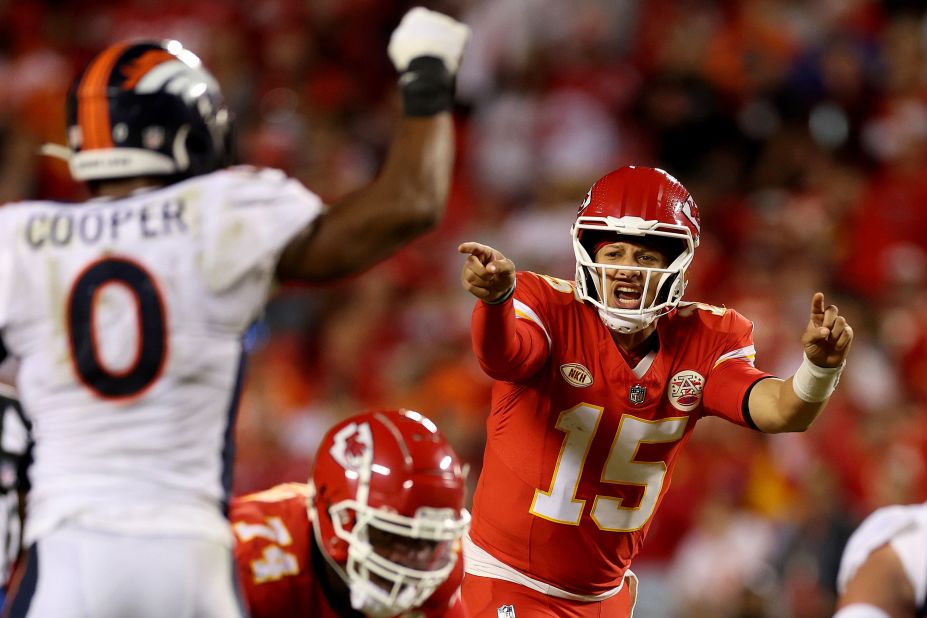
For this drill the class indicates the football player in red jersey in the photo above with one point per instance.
(599, 384)
(376, 532)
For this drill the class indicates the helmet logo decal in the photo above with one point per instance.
(586, 201)
(353, 446)
(576, 375)
(692, 217)
(141, 65)
(685, 390)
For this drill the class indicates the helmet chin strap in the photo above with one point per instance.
(626, 324)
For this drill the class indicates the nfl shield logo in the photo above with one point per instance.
(507, 611)
(637, 394)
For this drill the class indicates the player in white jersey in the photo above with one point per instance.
(15, 445)
(883, 570)
(127, 314)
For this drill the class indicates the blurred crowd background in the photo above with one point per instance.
(800, 127)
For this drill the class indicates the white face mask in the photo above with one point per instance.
(368, 599)
(626, 324)
(670, 281)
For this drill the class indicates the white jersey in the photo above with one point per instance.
(904, 527)
(127, 317)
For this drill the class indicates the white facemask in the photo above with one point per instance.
(626, 324)
(371, 601)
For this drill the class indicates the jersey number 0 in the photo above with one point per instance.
(151, 343)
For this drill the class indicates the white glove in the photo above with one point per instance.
(427, 33)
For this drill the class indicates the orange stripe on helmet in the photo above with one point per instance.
(92, 102)
(141, 65)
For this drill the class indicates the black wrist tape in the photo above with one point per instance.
(427, 87)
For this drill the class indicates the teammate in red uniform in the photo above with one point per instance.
(382, 535)
(599, 384)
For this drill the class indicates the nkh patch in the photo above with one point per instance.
(637, 394)
(506, 611)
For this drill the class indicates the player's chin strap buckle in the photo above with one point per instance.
(56, 150)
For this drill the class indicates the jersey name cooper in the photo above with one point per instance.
(106, 222)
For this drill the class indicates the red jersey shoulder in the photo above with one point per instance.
(534, 287)
(709, 334)
(284, 499)
(713, 319)
(271, 531)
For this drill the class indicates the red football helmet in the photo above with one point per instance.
(388, 477)
(637, 202)
(146, 109)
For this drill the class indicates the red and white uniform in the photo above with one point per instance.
(580, 446)
(274, 555)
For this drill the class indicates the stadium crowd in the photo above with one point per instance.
(799, 127)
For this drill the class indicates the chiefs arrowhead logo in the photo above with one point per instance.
(353, 446)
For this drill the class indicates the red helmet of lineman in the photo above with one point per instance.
(386, 499)
(636, 202)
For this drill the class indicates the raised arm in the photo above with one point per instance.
(408, 197)
(793, 404)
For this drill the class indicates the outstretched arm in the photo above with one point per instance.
(793, 404)
(409, 195)
(506, 348)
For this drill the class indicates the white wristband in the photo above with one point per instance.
(815, 384)
(861, 610)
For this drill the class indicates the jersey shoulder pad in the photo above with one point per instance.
(553, 289)
(715, 318)
(247, 217)
(278, 493)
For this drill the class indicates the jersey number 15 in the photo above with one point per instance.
(559, 503)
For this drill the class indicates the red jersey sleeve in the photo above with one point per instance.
(509, 339)
(733, 375)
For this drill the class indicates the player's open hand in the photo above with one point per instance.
(487, 274)
(828, 337)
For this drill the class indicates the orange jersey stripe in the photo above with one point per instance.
(93, 105)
